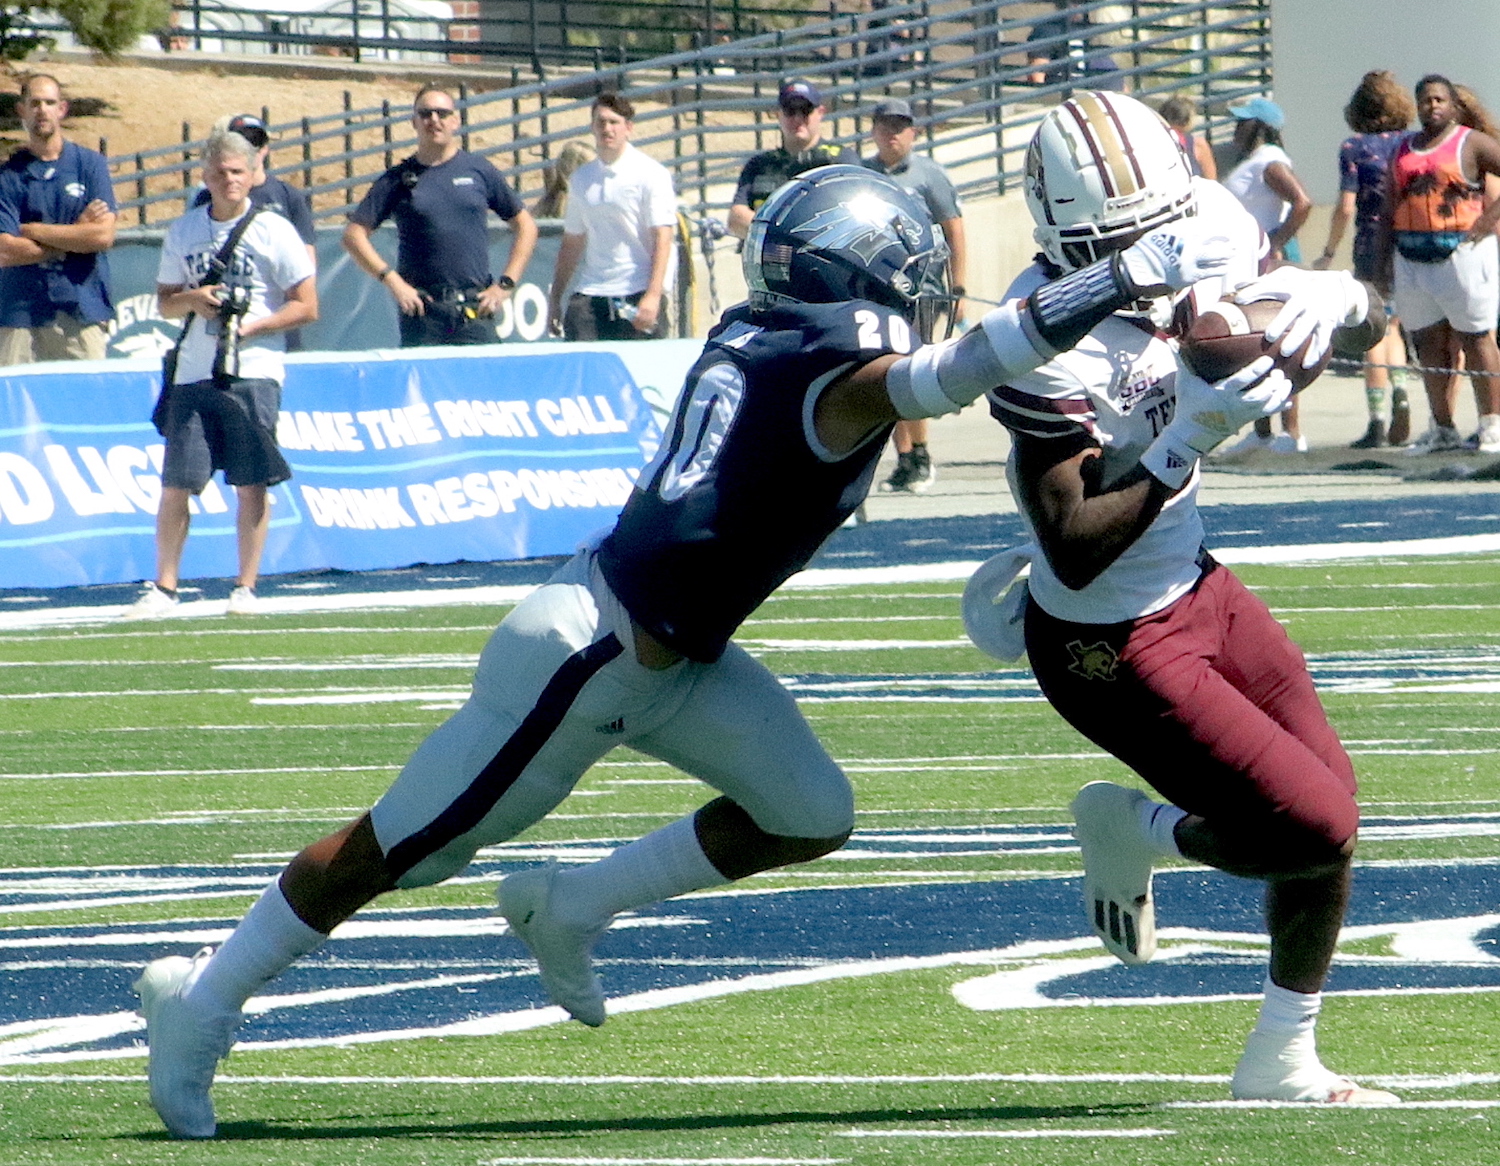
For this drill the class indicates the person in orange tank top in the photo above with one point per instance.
(1438, 240)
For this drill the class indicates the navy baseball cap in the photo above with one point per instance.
(798, 91)
(249, 127)
(1261, 109)
(893, 108)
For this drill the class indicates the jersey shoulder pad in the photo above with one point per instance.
(853, 330)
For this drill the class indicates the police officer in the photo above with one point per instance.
(799, 111)
(440, 198)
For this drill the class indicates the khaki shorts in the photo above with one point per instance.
(66, 338)
(1463, 289)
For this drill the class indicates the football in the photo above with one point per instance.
(1227, 336)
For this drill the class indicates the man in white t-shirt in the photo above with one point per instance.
(617, 238)
(219, 405)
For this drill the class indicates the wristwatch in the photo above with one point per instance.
(505, 283)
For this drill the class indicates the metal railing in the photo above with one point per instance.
(965, 67)
(576, 32)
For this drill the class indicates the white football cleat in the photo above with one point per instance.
(1117, 864)
(186, 1044)
(563, 953)
(1276, 1068)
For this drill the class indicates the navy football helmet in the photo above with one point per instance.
(842, 233)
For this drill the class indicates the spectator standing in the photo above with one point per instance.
(619, 221)
(1180, 114)
(1378, 112)
(894, 130)
(1438, 239)
(271, 193)
(57, 223)
(440, 198)
(799, 112)
(1062, 49)
(1264, 182)
(557, 180)
(222, 391)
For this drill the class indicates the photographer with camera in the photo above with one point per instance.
(242, 277)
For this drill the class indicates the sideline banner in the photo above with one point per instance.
(426, 456)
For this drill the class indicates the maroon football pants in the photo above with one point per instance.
(1211, 703)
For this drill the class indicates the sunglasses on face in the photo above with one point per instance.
(442, 113)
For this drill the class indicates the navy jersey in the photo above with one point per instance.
(34, 191)
(742, 494)
(442, 219)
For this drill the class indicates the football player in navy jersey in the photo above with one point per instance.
(773, 443)
(1137, 637)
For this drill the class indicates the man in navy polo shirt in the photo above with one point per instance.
(57, 220)
(440, 198)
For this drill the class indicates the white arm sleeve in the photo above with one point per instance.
(944, 377)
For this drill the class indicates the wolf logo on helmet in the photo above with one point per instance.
(842, 233)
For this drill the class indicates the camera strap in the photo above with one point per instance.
(217, 268)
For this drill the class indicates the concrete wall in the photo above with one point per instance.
(1323, 47)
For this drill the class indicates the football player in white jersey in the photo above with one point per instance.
(1137, 637)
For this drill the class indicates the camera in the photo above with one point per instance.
(234, 301)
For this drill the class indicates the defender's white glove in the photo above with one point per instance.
(1177, 255)
(1315, 303)
(1207, 414)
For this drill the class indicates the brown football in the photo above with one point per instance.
(1228, 336)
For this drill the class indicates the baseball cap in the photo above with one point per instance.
(1261, 109)
(894, 107)
(249, 127)
(797, 90)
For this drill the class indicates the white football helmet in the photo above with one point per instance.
(1101, 170)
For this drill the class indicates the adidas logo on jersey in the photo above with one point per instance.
(614, 727)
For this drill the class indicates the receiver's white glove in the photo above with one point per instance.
(1207, 414)
(1177, 255)
(1314, 304)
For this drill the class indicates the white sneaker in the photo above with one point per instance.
(1487, 439)
(563, 954)
(1275, 1068)
(1286, 443)
(1116, 869)
(1251, 442)
(1437, 439)
(153, 604)
(243, 601)
(186, 1044)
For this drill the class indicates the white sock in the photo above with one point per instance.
(268, 940)
(664, 863)
(1288, 1014)
(1158, 821)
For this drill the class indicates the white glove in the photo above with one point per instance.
(1207, 414)
(1316, 302)
(1177, 255)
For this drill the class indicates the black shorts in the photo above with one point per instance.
(233, 429)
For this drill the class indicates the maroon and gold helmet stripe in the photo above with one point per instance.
(1114, 156)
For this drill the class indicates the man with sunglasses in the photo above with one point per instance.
(440, 198)
(799, 113)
